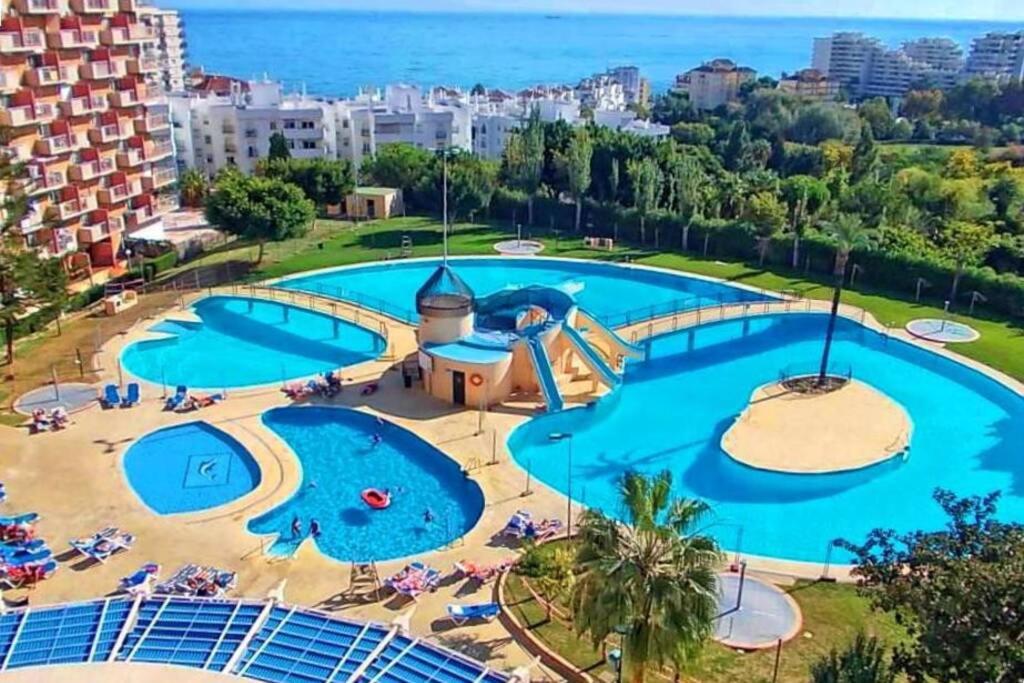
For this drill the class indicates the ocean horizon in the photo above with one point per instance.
(332, 53)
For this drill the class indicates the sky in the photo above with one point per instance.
(909, 9)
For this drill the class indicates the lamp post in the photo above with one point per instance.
(615, 656)
(566, 436)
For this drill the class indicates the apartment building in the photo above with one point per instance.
(943, 54)
(168, 48)
(77, 111)
(810, 84)
(714, 83)
(998, 56)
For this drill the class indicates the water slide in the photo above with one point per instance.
(545, 377)
(619, 344)
(591, 358)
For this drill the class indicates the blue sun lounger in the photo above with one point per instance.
(486, 611)
(3, 493)
(18, 520)
(111, 397)
(133, 396)
(9, 549)
(180, 394)
(22, 558)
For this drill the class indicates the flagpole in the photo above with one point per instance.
(444, 203)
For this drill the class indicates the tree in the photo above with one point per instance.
(875, 113)
(524, 159)
(693, 133)
(805, 197)
(737, 156)
(672, 108)
(470, 185)
(323, 181)
(399, 165)
(260, 209)
(863, 661)
(690, 187)
(193, 188)
(922, 104)
(645, 179)
(578, 159)
(279, 147)
(1005, 193)
(478, 89)
(614, 180)
(819, 122)
(848, 233)
(768, 215)
(865, 155)
(965, 244)
(957, 591)
(51, 287)
(650, 578)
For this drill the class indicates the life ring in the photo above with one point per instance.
(475, 379)
(376, 498)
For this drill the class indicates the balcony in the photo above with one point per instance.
(136, 218)
(83, 105)
(111, 132)
(53, 145)
(28, 7)
(27, 40)
(143, 65)
(10, 81)
(71, 208)
(153, 123)
(102, 71)
(131, 97)
(50, 75)
(160, 150)
(128, 35)
(27, 115)
(230, 147)
(93, 6)
(90, 170)
(97, 232)
(131, 159)
(161, 177)
(74, 39)
(115, 194)
(46, 179)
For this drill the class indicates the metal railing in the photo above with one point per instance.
(370, 303)
(677, 306)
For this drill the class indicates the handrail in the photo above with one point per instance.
(690, 303)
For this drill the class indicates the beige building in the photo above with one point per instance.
(373, 202)
(714, 83)
(810, 84)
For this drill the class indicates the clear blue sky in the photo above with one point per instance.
(917, 9)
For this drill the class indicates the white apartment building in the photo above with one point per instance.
(601, 92)
(938, 53)
(714, 83)
(999, 56)
(168, 50)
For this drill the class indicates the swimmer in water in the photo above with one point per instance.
(380, 421)
(314, 528)
(312, 484)
(376, 439)
(296, 527)
(428, 516)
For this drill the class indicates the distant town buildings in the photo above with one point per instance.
(714, 83)
(167, 49)
(80, 111)
(810, 84)
(998, 56)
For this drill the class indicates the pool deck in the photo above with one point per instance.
(851, 428)
(74, 479)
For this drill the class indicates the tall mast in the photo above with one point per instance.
(444, 203)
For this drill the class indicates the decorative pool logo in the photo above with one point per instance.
(207, 470)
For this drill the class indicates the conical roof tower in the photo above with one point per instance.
(444, 294)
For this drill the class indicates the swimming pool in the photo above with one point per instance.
(339, 460)
(967, 434)
(245, 342)
(188, 468)
(615, 293)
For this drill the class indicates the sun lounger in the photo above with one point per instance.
(19, 520)
(482, 573)
(23, 558)
(517, 523)
(180, 394)
(142, 580)
(133, 396)
(486, 611)
(543, 530)
(27, 576)
(8, 549)
(104, 544)
(202, 581)
(3, 494)
(111, 398)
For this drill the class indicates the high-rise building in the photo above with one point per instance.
(714, 83)
(77, 111)
(938, 53)
(999, 56)
(845, 57)
(168, 48)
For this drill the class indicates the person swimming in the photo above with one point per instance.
(296, 527)
(314, 528)
(376, 439)
(428, 516)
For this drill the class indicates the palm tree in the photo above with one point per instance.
(849, 233)
(650, 578)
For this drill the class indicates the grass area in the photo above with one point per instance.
(334, 243)
(833, 615)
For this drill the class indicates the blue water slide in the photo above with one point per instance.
(624, 347)
(591, 358)
(546, 378)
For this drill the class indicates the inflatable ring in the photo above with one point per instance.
(475, 379)
(375, 498)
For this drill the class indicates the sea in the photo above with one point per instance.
(334, 53)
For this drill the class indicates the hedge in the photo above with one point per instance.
(152, 267)
(737, 240)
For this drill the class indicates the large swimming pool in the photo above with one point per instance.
(188, 468)
(615, 293)
(245, 342)
(672, 411)
(339, 459)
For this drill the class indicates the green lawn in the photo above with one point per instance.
(833, 614)
(334, 243)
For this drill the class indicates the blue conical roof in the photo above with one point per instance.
(444, 292)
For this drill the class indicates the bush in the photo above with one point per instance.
(154, 266)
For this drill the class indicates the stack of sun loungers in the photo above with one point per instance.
(414, 580)
(101, 545)
(24, 559)
(54, 421)
(200, 581)
(522, 526)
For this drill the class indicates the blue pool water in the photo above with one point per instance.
(672, 411)
(245, 342)
(617, 294)
(188, 468)
(338, 461)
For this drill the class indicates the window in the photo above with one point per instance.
(344, 124)
(252, 152)
(273, 125)
(289, 124)
(207, 139)
(309, 144)
(231, 160)
(366, 148)
(291, 144)
(308, 125)
(209, 159)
